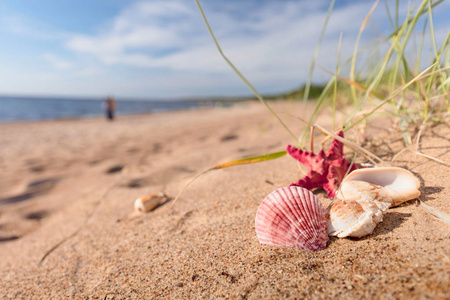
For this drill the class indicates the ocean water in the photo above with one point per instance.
(31, 109)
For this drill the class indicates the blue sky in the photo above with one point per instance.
(161, 49)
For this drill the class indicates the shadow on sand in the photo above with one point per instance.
(33, 189)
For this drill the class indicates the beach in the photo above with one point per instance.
(68, 229)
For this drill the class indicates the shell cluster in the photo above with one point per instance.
(294, 217)
(365, 196)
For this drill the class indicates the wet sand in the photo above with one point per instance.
(73, 183)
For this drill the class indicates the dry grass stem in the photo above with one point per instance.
(369, 155)
(438, 214)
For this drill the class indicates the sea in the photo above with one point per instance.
(14, 109)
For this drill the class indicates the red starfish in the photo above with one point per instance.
(325, 170)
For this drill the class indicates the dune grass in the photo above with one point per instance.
(414, 97)
(392, 87)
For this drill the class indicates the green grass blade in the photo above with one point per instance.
(396, 13)
(355, 50)
(404, 87)
(419, 54)
(240, 74)
(444, 84)
(411, 25)
(386, 6)
(239, 162)
(335, 82)
(409, 20)
(316, 111)
(356, 85)
(316, 53)
(250, 160)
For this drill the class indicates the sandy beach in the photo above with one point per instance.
(67, 190)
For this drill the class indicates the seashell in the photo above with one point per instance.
(400, 184)
(149, 202)
(350, 218)
(293, 217)
(359, 208)
(359, 190)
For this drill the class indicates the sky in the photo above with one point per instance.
(161, 49)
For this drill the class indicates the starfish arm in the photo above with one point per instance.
(302, 156)
(337, 148)
(334, 178)
(329, 187)
(324, 170)
(313, 162)
(336, 173)
(311, 181)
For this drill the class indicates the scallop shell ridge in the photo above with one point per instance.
(292, 217)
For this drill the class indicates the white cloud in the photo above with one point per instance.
(21, 25)
(57, 62)
(146, 27)
(170, 34)
(162, 48)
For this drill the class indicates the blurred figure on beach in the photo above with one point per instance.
(110, 107)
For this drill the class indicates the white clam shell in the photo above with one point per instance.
(293, 217)
(400, 184)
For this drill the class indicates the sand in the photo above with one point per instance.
(72, 184)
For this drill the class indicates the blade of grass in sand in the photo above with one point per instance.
(250, 160)
(405, 133)
(409, 20)
(396, 13)
(335, 82)
(419, 54)
(433, 37)
(397, 46)
(319, 103)
(388, 13)
(355, 51)
(321, 100)
(239, 162)
(354, 84)
(373, 84)
(444, 84)
(441, 75)
(444, 48)
(431, 79)
(316, 53)
(411, 25)
(390, 97)
(240, 74)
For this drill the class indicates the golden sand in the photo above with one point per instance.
(76, 181)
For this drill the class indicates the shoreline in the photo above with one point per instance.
(83, 176)
(205, 103)
(98, 117)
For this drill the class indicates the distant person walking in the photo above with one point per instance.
(110, 107)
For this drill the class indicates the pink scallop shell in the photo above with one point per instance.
(293, 217)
